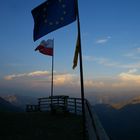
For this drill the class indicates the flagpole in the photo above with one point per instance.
(52, 71)
(81, 71)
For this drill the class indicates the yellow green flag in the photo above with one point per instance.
(75, 59)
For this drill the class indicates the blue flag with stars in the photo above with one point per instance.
(51, 15)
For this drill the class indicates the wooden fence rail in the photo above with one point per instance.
(73, 105)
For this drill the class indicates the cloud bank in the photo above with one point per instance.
(70, 82)
(31, 74)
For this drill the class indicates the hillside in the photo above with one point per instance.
(121, 123)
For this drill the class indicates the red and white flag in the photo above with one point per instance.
(46, 47)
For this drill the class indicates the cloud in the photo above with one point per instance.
(103, 61)
(31, 74)
(130, 77)
(38, 73)
(11, 77)
(131, 66)
(63, 79)
(103, 40)
(134, 54)
(130, 55)
(88, 58)
(138, 50)
(129, 80)
(94, 84)
(110, 63)
(41, 81)
(132, 71)
(106, 62)
(44, 76)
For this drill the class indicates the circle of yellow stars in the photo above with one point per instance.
(61, 18)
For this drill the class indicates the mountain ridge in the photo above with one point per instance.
(120, 105)
(6, 106)
(120, 123)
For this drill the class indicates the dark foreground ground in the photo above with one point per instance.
(40, 126)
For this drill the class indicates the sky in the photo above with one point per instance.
(110, 32)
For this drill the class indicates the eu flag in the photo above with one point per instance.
(51, 15)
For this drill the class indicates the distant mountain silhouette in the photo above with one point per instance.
(122, 104)
(111, 97)
(6, 106)
(121, 123)
(20, 101)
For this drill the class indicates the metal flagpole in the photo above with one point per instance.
(52, 77)
(52, 70)
(81, 72)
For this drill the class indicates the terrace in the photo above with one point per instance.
(58, 117)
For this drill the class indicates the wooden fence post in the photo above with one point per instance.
(75, 106)
(39, 106)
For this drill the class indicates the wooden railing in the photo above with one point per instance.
(72, 105)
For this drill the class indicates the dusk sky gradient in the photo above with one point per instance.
(110, 31)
